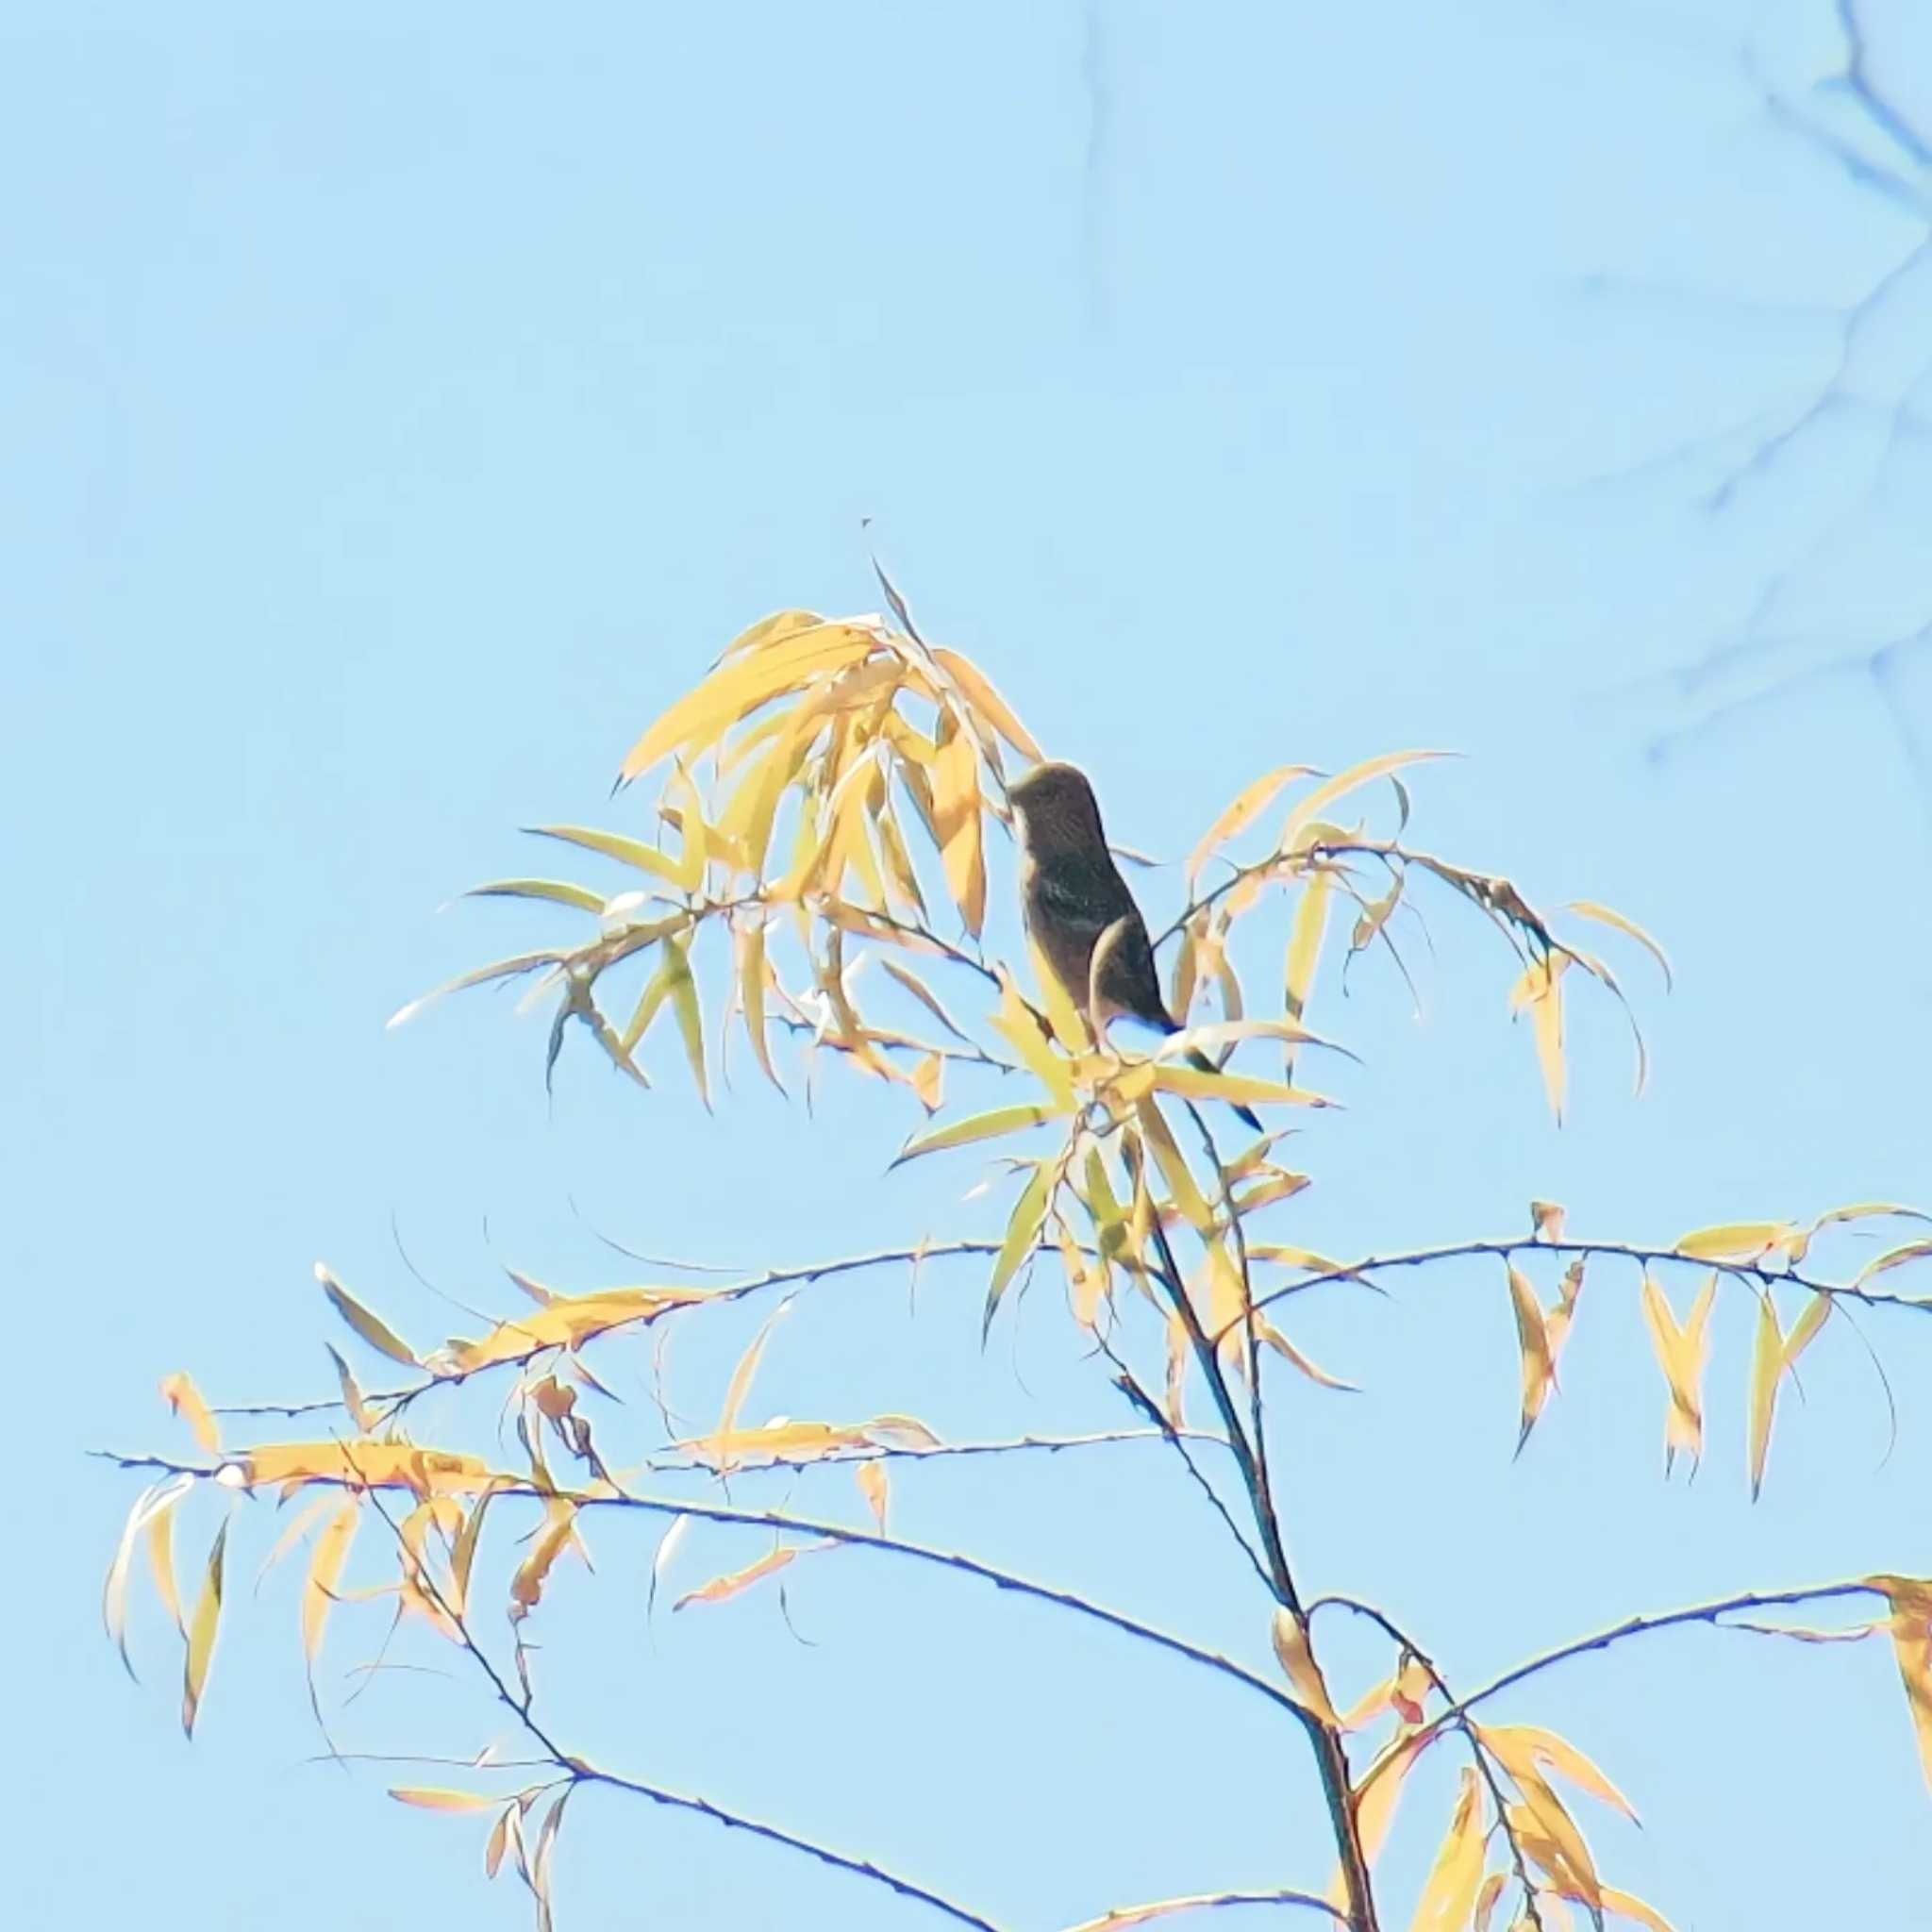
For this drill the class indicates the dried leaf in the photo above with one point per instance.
(722, 1589)
(185, 1399)
(875, 1486)
(1297, 1659)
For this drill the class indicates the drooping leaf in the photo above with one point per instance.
(1305, 952)
(1532, 1336)
(1767, 1367)
(1682, 1353)
(1449, 1894)
(1297, 1659)
(1021, 1237)
(1910, 1599)
(1605, 915)
(722, 1589)
(978, 692)
(957, 822)
(875, 1486)
(201, 1632)
(1539, 992)
(154, 1501)
(1535, 1749)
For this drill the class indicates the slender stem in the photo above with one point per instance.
(1525, 1244)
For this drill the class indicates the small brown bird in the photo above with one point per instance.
(1074, 896)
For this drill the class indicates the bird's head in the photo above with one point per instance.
(1057, 811)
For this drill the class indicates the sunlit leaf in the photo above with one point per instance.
(557, 892)
(752, 974)
(722, 1589)
(739, 1386)
(980, 1127)
(152, 1502)
(691, 1019)
(1305, 950)
(1532, 1336)
(957, 822)
(201, 1633)
(1682, 1353)
(631, 852)
(1735, 1240)
(1198, 1083)
(1449, 1893)
(429, 1798)
(875, 1486)
(1911, 1639)
(319, 1589)
(1246, 809)
(379, 1335)
(560, 1527)
(1628, 1906)
(1912, 1250)
(978, 692)
(185, 1399)
(925, 995)
(502, 968)
(1532, 1748)
(1767, 1367)
(1292, 1649)
(1267, 1332)
(1017, 1023)
(1605, 915)
(353, 1403)
(1326, 794)
(1539, 992)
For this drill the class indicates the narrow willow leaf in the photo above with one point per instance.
(499, 1840)
(668, 1545)
(161, 1558)
(185, 1399)
(1378, 1790)
(1557, 1844)
(430, 1798)
(1539, 992)
(1297, 1659)
(376, 1334)
(925, 995)
(201, 1632)
(1449, 1893)
(1339, 786)
(1532, 1335)
(1735, 1240)
(352, 1394)
(1767, 1366)
(153, 1501)
(1198, 1083)
(1069, 1029)
(691, 1019)
(631, 852)
(1022, 1235)
(557, 892)
(992, 708)
(980, 1127)
(1254, 800)
(1628, 1906)
(722, 1589)
(875, 1486)
(1305, 952)
(1533, 1747)
(957, 820)
(1817, 1312)
(739, 1386)
(1912, 1250)
(502, 968)
(1911, 1639)
(1268, 1333)
(1682, 1353)
(1175, 1171)
(1493, 1888)
(322, 1587)
(1605, 915)
(1017, 1023)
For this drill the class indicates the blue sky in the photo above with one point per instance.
(402, 412)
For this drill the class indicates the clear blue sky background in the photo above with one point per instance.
(400, 412)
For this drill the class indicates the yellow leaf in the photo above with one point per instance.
(1449, 1896)
(1198, 1083)
(325, 1571)
(352, 1394)
(568, 1322)
(1540, 992)
(978, 1126)
(428, 1798)
(1626, 1906)
(1486, 1900)
(1344, 783)
(956, 821)
(1379, 1787)
(1305, 952)
(526, 1585)
(1069, 1029)
(1173, 1168)
(463, 1553)
(1548, 1218)
(1267, 1332)
(1022, 1234)
(875, 1486)
(153, 1501)
(1682, 1355)
(683, 990)
(185, 1399)
(631, 852)
(1254, 800)
(1531, 1747)
(739, 1385)
(721, 1589)
(752, 974)
(1532, 1335)
(1767, 1365)
(1911, 1640)
(160, 1558)
(1817, 1311)
(1604, 915)
(201, 1633)
(743, 683)
(376, 1334)
(1550, 1836)
(499, 1839)
(1292, 1648)
(1735, 1240)
(361, 1464)
(1912, 1250)
(1019, 1025)
(978, 692)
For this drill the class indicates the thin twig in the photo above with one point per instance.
(1205, 1902)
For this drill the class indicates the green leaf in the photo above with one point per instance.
(980, 1127)
(631, 852)
(559, 892)
(1022, 1234)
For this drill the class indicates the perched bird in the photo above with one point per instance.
(1079, 910)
